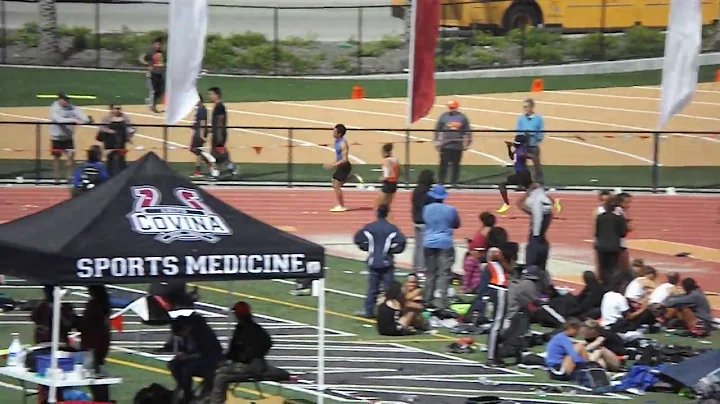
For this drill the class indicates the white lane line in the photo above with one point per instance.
(660, 89)
(579, 143)
(622, 97)
(254, 132)
(687, 135)
(295, 104)
(567, 104)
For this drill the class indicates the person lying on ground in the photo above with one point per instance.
(603, 346)
(616, 313)
(589, 300)
(563, 358)
(692, 308)
(639, 290)
(390, 318)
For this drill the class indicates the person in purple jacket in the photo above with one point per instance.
(518, 153)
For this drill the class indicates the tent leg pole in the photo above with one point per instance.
(230, 327)
(52, 395)
(321, 342)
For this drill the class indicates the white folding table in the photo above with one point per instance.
(25, 376)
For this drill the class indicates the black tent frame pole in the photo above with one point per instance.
(290, 159)
(38, 156)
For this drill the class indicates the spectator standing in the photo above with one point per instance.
(116, 131)
(610, 230)
(382, 240)
(624, 200)
(219, 138)
(65, 117)
(532, 125)
(452, 136)
(95, 334)
(440, 221)
(90, 174)
(536, 203)
(419, 200)
(154, 59)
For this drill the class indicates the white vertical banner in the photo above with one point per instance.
(682, 53)
(186, 47)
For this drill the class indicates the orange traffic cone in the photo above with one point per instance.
(537, 86)
(358, 93)
(717, 76)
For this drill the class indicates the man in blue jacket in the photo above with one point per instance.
(382, 240)
(532, 125)
(440, 221)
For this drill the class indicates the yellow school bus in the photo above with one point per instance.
(567, 15)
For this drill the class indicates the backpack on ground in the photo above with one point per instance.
(596, 379)
(154, 394)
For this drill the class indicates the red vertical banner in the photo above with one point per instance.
(425, 28)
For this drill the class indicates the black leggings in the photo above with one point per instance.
(157, 80)
(450, 158)
(607, 263)
(116, 162)
(101, 394)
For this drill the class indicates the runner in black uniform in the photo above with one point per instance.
(219, 132)
(199, 135)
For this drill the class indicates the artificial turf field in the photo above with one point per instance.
(356, 354)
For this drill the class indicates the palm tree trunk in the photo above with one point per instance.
(49, 43)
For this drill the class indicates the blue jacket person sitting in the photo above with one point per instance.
(90, 174)
(382, 240)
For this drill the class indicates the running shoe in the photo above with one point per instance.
(338, 209)
(503, 209)
(301, 292)
(558, 206)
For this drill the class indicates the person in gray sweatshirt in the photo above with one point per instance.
(452, 136)
(65, 118)
(692, 307)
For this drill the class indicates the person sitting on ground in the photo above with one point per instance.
(413, 303)
(563, 359)
(616, 313)
(588, 301)
(638, 291)
(200, 357)
(390, 318)
(669, 288)
(603, 346)
(249, 345)
(638, 267)
(90, 174)
(692, 308)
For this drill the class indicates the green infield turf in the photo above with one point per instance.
(346, 283)
(21, 85)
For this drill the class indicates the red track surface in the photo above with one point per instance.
(684, 219)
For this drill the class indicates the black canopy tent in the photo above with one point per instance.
(150, 224)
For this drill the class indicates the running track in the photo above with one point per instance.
(682, 219)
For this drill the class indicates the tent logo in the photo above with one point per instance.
(191, 221)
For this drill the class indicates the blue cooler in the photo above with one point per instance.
(42, 364)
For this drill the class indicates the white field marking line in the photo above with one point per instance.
(462, 360)
(222, 327)
(17, 388)
(337, 348)
(306, 370)
(296, 104)
(35, 118)
(373, 360)
(660, 89)
(168, 358)
(335, 291)
(437, 390)
(302, 142)
(19, 287)
(625, 97)
(560, 139)
(567, 104)
(705, 138)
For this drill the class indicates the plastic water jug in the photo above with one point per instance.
(16, 352)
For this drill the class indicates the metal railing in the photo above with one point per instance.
(323, 40)
(293, 156)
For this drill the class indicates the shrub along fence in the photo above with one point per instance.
(303, 40)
